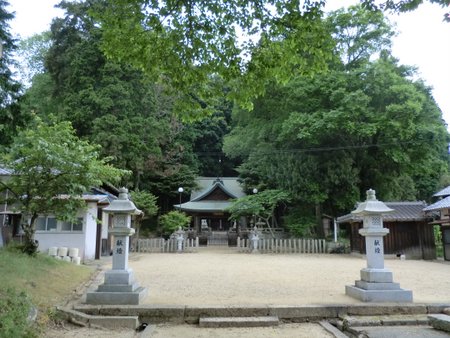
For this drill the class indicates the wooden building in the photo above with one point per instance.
(440, 212)
(409, 231)
(208, 203)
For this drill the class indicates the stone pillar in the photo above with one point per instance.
(376, 284)
(120, 287)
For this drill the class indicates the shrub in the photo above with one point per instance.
(14, 309)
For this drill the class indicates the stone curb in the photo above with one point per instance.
(332, 329)
(287, 313)
(108, 322)
(216, 322)
(440, 322)
(385, 320)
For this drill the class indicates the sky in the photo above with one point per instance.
(423, 39)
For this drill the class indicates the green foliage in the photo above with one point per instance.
(14, 309)
(171, 221)
(31, 53)
(113, 105)
(243, 42)
(438, 241)
(359, 34)
(147, 203)
(261, 205)
(300, 223)
(328, 139)
(51, 169)
(31, 276)
(11, 118)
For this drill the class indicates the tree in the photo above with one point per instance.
(113, 105)
(146, 202)
(31, 53)
(51, 170)
(403, 5)
(173, 220)
(261, 205)
(328, 139)
(11, 118)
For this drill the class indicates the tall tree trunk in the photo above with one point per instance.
(319, 226)
(30, 246)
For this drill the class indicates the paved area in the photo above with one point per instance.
(401, 332)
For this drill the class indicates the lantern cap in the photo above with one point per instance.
(122, 205)
(371, 205)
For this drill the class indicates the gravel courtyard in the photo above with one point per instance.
(225, 277)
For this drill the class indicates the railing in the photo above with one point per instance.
(152, 245)
(289, 245)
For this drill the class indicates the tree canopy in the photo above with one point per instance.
(11, 117)
(361, 125)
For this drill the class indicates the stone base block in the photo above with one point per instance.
(116, 298)
(118, 287)
(388, 296)
(119, 277)
(376, 286)
(377, 275)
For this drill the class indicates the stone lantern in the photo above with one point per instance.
(376, 284)
(119, 286)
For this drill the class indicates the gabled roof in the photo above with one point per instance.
(207, 185)
(441, 204)
(443, 192)
(403, 212)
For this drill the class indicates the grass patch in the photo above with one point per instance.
(44, 280)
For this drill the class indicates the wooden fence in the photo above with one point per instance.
(289, 245)
(147, 245)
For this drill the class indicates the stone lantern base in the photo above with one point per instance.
(376, 285)
(119, 288)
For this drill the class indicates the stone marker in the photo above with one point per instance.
(376, 284)
(254, 239)
(119, 287)
(179, 237)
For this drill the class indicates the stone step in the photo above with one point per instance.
(385, 320)
(107, 322)
(238, 321)
(440, 322)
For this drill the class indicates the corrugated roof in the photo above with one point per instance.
(403, 211)
(211, 206)
(443, 192)
(441, 204)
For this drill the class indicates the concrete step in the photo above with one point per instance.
(440, 322)
(387, 320)
(238, 321)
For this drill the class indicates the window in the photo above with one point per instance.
(76, 226)
(49, 223)
(45, 223)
